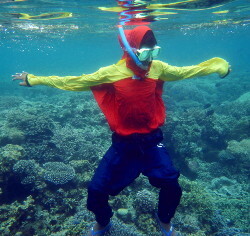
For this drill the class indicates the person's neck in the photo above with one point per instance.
(146, 65)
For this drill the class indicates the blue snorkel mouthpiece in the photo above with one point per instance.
(129, 49)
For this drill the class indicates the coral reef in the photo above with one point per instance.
(144, 201)
(13, 215)
(58, 172)
(11, 135)
(9, 155)
(198, 205)
(27, 170)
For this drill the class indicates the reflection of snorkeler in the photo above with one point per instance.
(129, 94)
(132, 4)
(135, 13)
(191, 5)
(140, 12)
(136, 17)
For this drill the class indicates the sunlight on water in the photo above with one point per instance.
(57, 19)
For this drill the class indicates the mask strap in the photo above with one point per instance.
(129, 49)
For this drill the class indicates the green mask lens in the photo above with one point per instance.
(144, 54)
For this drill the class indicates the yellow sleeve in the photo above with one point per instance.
(76, 83)
(214, 65)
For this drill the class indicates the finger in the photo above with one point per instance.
(16, 77)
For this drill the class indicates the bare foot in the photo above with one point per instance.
(96, 227)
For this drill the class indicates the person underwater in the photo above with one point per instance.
(129, 93)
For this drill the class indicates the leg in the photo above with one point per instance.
(98, 192)
(98, 203)
(162, 174)
(169, 199)
(118, 168)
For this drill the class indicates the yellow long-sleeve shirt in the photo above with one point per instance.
(110, 74)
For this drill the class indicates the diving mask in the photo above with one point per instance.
(144, 54)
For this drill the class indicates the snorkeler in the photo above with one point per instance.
(129, 94)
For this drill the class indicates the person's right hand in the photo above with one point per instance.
(23, 77)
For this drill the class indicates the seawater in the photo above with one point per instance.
(208, 120)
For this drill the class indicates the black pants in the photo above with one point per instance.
(124, 161)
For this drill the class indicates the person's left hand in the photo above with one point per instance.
(21, 76)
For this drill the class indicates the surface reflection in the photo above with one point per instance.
(139, 12)
(135, 12)
(57, 17)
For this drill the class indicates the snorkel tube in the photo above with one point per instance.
(129, 49)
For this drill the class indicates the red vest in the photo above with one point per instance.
(132, 105)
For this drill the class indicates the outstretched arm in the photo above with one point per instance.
(214, 65)
(71, 83)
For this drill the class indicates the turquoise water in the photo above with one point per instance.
(206, 132)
